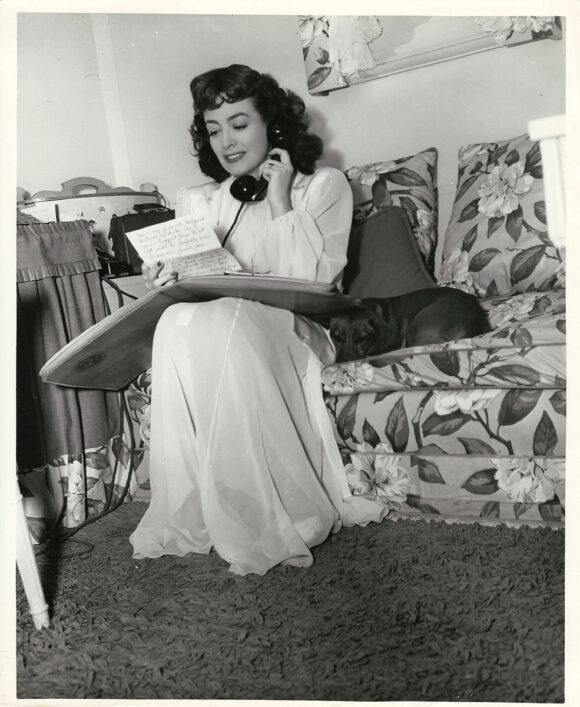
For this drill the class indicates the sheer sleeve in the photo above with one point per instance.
(310, 242)
(195, 200)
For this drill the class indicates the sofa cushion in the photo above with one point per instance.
(409, 182)
(481, 486)
(497, 240)
(383, 258)
(527, 348)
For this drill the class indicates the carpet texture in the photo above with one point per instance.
(404, 610)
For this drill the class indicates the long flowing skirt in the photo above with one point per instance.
(242, 457)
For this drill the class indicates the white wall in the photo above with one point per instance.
(157, 56)
(486, 96)
(483, 97)
(61, 119)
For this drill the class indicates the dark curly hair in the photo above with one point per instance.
(273, 103)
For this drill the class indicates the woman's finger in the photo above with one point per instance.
(282, 154)
(271, 167)
(152, 271)
(155, 277)
(165, 278)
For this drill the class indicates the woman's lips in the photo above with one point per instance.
(234, 157)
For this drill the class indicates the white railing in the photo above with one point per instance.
(551, 133)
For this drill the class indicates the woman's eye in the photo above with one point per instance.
(240, 127)
(212, 133)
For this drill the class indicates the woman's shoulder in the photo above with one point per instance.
(330, 174)
(188, 199)
(323, 177)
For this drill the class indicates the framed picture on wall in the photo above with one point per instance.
(343, 50)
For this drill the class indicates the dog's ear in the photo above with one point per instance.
(374, 306)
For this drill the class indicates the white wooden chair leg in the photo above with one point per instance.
(551, 132)
(26, 562)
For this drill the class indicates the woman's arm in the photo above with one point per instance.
(311, 240)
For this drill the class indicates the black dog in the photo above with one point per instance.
(428, 316)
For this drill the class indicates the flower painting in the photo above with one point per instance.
(340, 50)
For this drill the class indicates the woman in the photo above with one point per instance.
(242, 453)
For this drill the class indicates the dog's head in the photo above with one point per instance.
(363, 333)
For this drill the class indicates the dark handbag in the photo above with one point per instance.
(146, 215)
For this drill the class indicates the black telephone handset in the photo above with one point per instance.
(248, 188)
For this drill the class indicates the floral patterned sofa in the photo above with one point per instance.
(467, 430)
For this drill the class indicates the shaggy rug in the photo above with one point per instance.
(404, 610)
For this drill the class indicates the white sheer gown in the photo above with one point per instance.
(242, 457)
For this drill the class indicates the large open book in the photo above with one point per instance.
(113, 352)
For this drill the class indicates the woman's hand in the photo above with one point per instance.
(155, 277)
(279, 176)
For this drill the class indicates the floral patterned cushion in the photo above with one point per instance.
(497, 241)
(409, 182)
(526, 347)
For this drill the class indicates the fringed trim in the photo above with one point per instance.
(55, 249)
(39, 272)
(470, 520)
(59, 227)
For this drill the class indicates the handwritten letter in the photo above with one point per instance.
(187, 245)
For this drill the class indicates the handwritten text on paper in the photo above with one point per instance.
(187, 245)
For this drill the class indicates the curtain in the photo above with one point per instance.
(72, 458)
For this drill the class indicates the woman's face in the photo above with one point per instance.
(238, 136)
